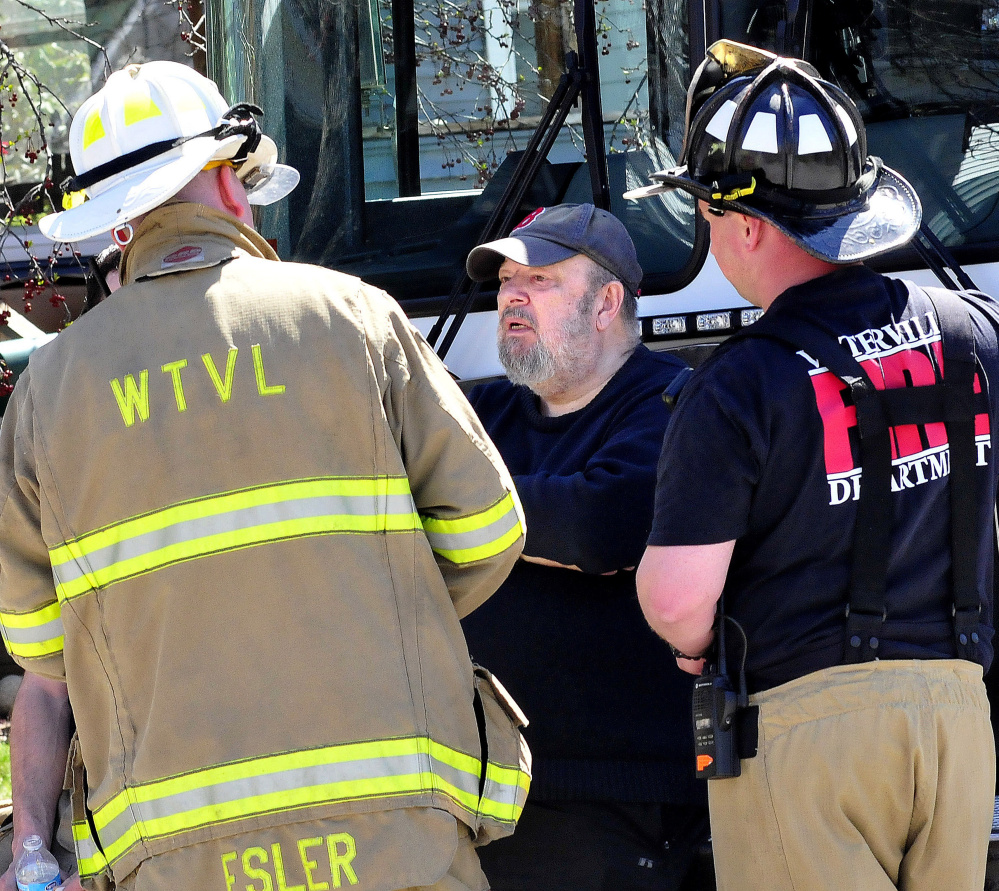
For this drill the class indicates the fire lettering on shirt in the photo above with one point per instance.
(133, 398)
(902, 354)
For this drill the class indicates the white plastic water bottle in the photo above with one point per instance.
(37, 870)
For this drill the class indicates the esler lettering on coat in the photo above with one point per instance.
(133, 396)
(315, 864)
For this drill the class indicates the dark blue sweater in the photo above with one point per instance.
(609, 709)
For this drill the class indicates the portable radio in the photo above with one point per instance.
(716, 711)
(715, 744)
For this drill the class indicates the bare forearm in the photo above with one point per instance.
(691, 633)
(678, 588)
(39, 745)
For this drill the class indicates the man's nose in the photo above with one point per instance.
(512, 292)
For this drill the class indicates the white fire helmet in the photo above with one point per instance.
(145, 135)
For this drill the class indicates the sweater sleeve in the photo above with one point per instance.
(29, 611)
(599, 517)
(586, 480)
(463, 492)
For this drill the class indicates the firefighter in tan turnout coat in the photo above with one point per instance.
(243, 508)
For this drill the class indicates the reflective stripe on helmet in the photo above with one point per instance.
(93, 129)
(138, 105)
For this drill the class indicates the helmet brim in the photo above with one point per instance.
(134, 192)
(146, 187)
(888, 220)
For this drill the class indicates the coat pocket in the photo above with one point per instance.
(506, 759)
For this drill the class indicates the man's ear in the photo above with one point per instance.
(232, 194)
(751, 231)
(609, 303)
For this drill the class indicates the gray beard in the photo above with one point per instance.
(561, 355)
(528, 368)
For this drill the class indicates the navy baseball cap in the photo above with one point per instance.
(552, 234)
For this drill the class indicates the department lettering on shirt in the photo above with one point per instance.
(901, 354)
(313, 864)
(907, 474)
(133, 396)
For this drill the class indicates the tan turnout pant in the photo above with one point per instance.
(868, 778)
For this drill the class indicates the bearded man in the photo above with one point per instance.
(580, 423)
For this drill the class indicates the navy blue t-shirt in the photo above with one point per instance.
(763, 450)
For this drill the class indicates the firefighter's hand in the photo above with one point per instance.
(544, 561)
(691, 666)
(7, 880)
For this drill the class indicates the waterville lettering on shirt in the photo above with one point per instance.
(901, 354)
(132, 392)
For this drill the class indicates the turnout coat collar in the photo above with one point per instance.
(181, 237)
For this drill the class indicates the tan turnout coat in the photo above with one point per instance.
(243, 509)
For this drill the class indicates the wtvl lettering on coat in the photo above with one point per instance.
(908, 353)
(133, 396)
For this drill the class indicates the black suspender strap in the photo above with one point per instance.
(959, 381)
(950, 401)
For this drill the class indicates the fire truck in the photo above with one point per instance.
(424, 127)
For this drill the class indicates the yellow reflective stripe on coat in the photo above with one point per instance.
(34, 634)
(475, 537)
(230, 521)
(505, 792)
(388, 769)
(88, 855)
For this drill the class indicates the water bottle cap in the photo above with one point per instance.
(33, 843)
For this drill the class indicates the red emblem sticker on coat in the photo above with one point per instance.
(184, 255)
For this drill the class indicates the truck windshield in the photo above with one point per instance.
(407, 117)
(403, 156)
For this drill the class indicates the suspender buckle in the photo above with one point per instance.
(863, 635)
(966, 623)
